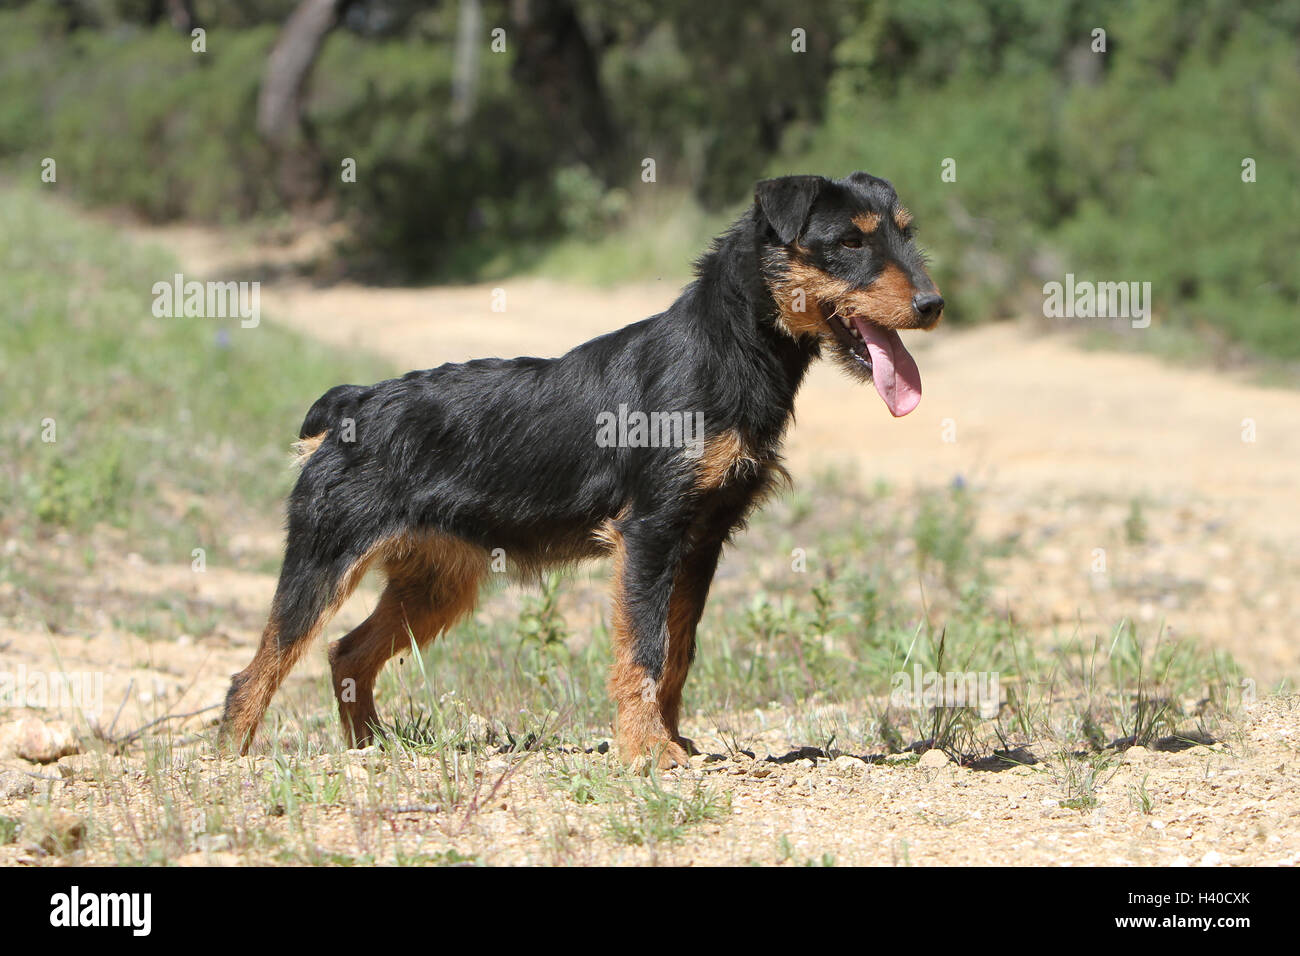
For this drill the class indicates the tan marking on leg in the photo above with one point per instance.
(690, 588)
(433, 581)
(640, 730)
(253, 688)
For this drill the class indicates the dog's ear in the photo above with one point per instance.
(786, 201)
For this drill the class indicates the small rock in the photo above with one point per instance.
(42, 742)
(14, 784)
(932, 759)
(1213, 858)
(849, 765)
(1136, 754)
(357, 774)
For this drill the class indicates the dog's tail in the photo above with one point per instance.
(339, 403)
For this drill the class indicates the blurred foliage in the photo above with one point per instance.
(1122, 165)
(117, 417)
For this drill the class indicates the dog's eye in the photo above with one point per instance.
(851, 242)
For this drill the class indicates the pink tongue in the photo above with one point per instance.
(893, 369)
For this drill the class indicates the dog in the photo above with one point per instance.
(430, 475)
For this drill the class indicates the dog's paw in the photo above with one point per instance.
(687, 745)
(661, 754)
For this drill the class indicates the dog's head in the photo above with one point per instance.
(839, 259)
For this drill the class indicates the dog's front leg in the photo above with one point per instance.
(646, 555)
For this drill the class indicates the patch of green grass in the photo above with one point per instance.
(162, 427)
(1135, 525)
(1140, 796)
(785, 853)
(1081, 777)
(651, 814)
(944, 530)
(288, 784)
(662, 230)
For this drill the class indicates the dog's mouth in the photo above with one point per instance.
(881, 354)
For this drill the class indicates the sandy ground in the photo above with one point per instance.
(1055, 436)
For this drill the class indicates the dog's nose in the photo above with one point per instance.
(928, 307)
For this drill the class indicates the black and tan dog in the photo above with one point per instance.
(427, 475)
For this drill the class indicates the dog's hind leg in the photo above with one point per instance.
(431, 584)
(311, 589)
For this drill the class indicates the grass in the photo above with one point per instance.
(648, 246)
(1080, 777)
(1141, 796)
(154, 427)
(650, 814)
(509, 711)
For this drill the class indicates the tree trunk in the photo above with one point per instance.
(181, 14)
(469, 40)
(301, 172)
(557, 66)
